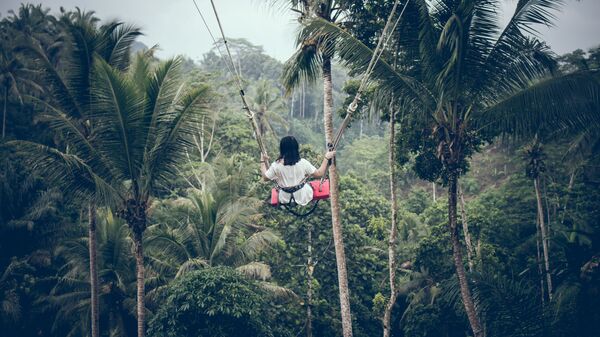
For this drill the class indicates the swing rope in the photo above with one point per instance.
(235, 73)
(379, 49)
(212, 37)
(291, 209)
(377, 53)
(251, 115)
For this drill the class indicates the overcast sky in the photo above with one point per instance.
(176, 26)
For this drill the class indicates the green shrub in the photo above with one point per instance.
(214, 302)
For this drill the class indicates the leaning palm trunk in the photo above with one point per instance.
(569, 189)
(465, 292)
(338, 239)
(387, 316)
(548, 218)
(93, 269)
(539, 260)
(540, 211)
(465, 224)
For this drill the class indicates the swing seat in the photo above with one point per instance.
(320, 191)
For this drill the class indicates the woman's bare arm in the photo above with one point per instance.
(320, 172)
(263, 167)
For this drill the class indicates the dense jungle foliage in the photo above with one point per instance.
(185, 201)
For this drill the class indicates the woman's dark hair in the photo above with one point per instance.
(288, 150)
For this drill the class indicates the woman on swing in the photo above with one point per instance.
(289, 172)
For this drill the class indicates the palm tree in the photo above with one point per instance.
(36, 22)
(213, 224)
(70, 93)
(474, 76)
(535, 156)
(264, 101)
(465, 225)
(308, 62)
(70, 297)
(510, 306)
(11, 73)
(207, 228)
(11, 278)
(393, 238)
(14, 75)
(143, 122)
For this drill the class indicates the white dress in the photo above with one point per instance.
(292, 175)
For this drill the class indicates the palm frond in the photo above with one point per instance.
(174, 137)
(257, 243)
(118, 39)
(60, 90)
(67, 171)
(357, 55)
(509, 307)
(117, 110)
(556, 102)
(507, 45)
(529, 13)
(84, 41)
(277, 291)
(191, 265)
(76, 135)
(304, 66)
(256, 270)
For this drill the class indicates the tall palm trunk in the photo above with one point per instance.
(569, 189)
(548, 218)
(338, 239)
(139, 267)
(4, 110)
(303, 102)
(93, 269)
(540, 211)
(538, 259)
(309, 280)
(465, 291)
(387, 316)
(465, 224)
(292, 107)
(434, 191)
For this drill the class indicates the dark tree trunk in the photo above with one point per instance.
(540, 211)
(548, 218)
(93, 269)
(338, 239)
(4, 111)
(465, 224)
(303, 104)
(140, 279)
(309, 278)
(465, 291)
(539, 260)
(387, 316)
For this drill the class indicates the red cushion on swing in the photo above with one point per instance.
(274, 197)
(319, 191)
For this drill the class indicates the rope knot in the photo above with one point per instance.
(352, 107)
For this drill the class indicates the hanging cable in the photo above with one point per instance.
(377, 53)
(231, 65)
(379, 49)
(215, 42)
